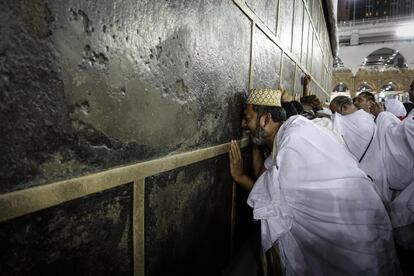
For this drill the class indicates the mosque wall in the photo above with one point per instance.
(115, 119)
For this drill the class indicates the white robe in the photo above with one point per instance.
(389, 159)
(395, 107)
(400, 172)
(390, 162)
(323, 211)
(398, 143)
(357, 130)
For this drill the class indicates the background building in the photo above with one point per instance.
(375, 49)
(349, 10)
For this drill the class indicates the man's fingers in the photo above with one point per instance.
(238, 153)
(235, 155)
(231, 151)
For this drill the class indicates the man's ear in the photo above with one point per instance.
(265, 119)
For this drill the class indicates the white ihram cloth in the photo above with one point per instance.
(400, 170)
(357, 130)
(398, 142)
(323, 211)
(395, 107)
(390, 162)
(387, 160)
(330, 126)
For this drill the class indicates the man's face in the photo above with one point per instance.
(333, 107)
(348, 109)
(362, 103)
(342, 109)
(251, 123)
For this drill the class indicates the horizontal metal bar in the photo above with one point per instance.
(26, 201)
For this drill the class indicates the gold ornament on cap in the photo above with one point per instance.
(267, 97)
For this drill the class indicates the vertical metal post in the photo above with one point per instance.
(303, 27)
(138, 227)
(294, 82)
(233, 217)
(281, 70)
(277, 18)
(293, 27)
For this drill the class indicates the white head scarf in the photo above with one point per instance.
(395, 107)
(357, 130)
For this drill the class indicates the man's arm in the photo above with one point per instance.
(236, 167)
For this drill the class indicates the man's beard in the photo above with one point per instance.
(258, 137)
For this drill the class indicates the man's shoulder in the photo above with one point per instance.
(297, 128)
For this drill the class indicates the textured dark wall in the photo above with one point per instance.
(266, 10)
(266, 61)
(187, 214)
(87, 236)
(89, 85)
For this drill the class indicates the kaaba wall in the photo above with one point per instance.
(115, 119)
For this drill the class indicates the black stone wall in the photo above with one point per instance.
(87, 236)
(86, 86)
(187, 214)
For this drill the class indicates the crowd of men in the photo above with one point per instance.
(333, 188)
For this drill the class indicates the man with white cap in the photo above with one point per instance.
(312, 199)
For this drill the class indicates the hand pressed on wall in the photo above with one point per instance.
(236, 167)
(236, 161)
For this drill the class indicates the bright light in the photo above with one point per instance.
(406, 30)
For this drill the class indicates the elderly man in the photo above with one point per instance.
(364, 101)
(342, 105)
(385, 150)
(356, 127)
(382, 147)
(323, 212)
